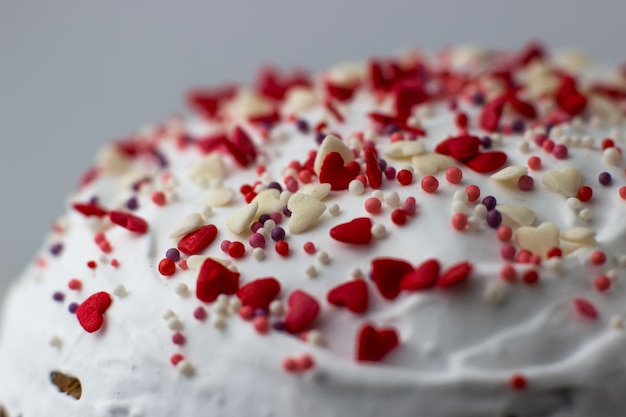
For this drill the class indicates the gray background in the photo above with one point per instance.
(77, 73)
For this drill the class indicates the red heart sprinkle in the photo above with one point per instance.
(586, 308)
(355, 232)
(460, 147)
(454, 275)
(243, 142)
(352, 295)
(408, 94)
(373, 171)
(424, 276)
(196, 242)
(336, 174)
(128, 221)
(90, 209)
(90, 313)
(569, 99)
(215, 279)
(340, 92)
(373, 345)
(492, 112)
(486, 161)
(522, 107)
(303, 310)
(259, 293)
(387, 273)
(208, 102)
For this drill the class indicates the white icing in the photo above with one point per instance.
(458, 348)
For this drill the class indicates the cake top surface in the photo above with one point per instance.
(447, 226)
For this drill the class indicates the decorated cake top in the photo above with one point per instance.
(436, 232)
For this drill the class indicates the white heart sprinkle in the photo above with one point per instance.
(432, 163)
(330, 144)
(580, 235)
(219, 197)
(565, 182)
(305, 211)
(210, 168)
(404, 148)
(241, 219)
(509, 173)
(189, 224)
(538, 240)
(270, 201)
(300, 99)
(319, 191)
(515, 216)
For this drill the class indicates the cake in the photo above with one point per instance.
(417, 235)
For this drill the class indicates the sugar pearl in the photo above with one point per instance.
(379, 231)
(356, 273)
(495, 293)
(460, 196)
(323, 258)
(585, 214)
(480, 211)
(182, 290)
(617, 322)
(120, 291)
(185, 368)
(174, 324)
(277, 308)
(219, 321)
(315, 337)
(573, 203)
(310, 271)
(459, 206)
(378, 194)
(334, 209)
(258, 253)
(392, 199)
(610, 156)
(356, 187)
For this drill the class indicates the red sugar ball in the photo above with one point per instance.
(473, 192)
(309, 248)
(404, 177)
(373, 205)
(236, 249)
(399, 217)
(525, 183)
(534, 163)
(159, 198)
(607, 143)
(555, 253)
(508, 273)
(602, 283)
(282, 248)
(530, 277)
(246, 313)
(454, 175)
(176, 358)
(622, 193)
(585, 193)
(167, 267)
(430, 184)
(261, 324)
(459, 221)
(75, 284)
(547, 145)
(504, 233)
(518, 382)
(598, 257)
(461, 120)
